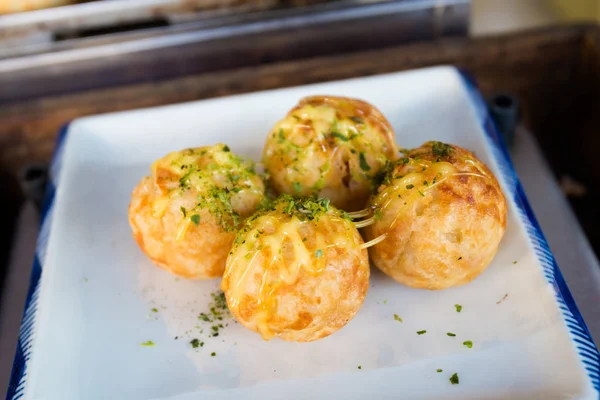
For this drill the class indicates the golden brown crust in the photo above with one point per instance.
(201, 254)
(270, 291)
(183, 216)
(444, 215)
(331, 147)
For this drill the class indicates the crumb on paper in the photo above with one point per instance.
(502, 299)
(458, 307)
(397, 318)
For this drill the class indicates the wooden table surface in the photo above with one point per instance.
(544, 68)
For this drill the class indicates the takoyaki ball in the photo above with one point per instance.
(185, 214)
(440, 215)
(330, 147)
(296, 271)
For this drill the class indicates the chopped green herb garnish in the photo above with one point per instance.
(421, 193)
(195, 219)
(439, 370)
(397, 318)
(514, 262)
(459, 258)
(195, 343)
(385, 301)
(405, 160)
(213, 354)
(149, 343)
(290, 207)
(441, 149)
(360, 367)
(303, 208)
(340, 136)
(203, 317)
(319, 253)
(218, 312)
(85, 279)
(226, 148)
(421, 332)
(183, 211)
(378, 214)
(281, 136)
(297, 187)
(357, 119)
(458, 307)
(154, 310)
(454, 379)
(425, 183)
(410, 186)
(451, 334)
(468, 343)
(364, 165)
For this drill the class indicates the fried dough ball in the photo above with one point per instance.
(185, 214)
(296, 271)
(330, 147)
(439, 216)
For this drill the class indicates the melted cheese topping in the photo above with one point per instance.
(203, 169)
(159, 205)
(310, 136)
(308, 254)
(415, 185)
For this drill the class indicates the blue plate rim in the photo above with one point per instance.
(578, 330)
(580, 335)
(18, 377)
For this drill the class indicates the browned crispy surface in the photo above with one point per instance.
(445, 229)
(330, 147)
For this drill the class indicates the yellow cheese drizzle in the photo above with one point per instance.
(277, 273)
(321, 117)
(173, 162)
(443, 170)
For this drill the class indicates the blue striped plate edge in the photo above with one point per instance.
(580, 335)
(16, 384)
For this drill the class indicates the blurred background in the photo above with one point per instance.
(537, 61)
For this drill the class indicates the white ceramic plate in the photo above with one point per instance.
(92, 307)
